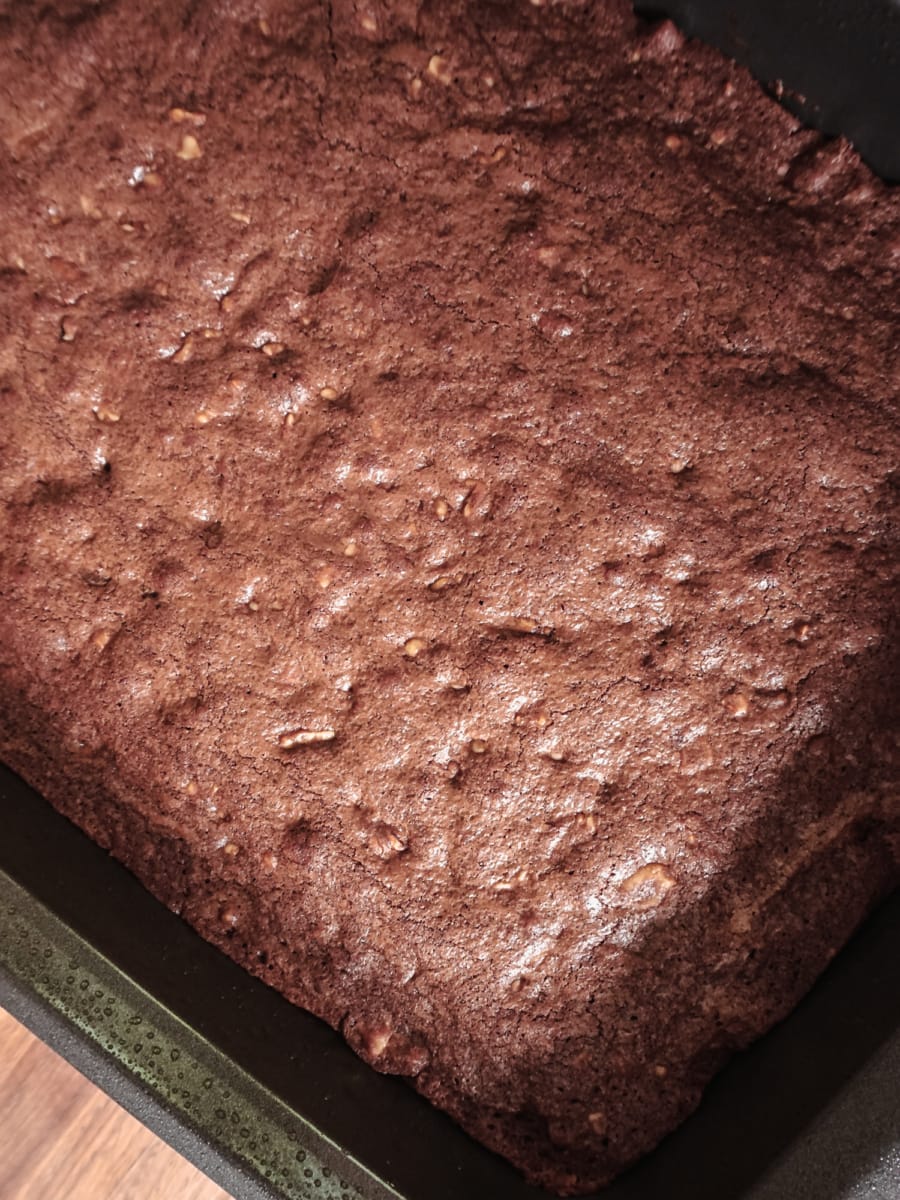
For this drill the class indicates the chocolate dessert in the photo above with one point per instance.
(449, 461)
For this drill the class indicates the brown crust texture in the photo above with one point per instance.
(448, 550)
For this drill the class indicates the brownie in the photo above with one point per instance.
(449, 546)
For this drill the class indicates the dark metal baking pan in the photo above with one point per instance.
(270, 1102)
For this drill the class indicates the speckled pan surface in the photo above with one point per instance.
(449, 528)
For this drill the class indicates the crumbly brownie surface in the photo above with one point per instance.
(447, 546)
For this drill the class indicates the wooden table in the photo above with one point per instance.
(61, 1138)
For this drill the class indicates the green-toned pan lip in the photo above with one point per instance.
(158, 1067)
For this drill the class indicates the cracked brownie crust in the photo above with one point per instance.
(449, 475)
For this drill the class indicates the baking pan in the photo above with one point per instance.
(271, 1103)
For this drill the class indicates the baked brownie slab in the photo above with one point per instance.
(449, 527)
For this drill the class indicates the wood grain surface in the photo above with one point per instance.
(61, 1138)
